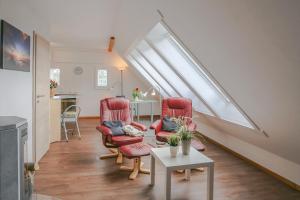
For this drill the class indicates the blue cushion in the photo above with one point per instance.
(116, 127)
(169, 125)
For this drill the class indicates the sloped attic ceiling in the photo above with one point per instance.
(250, 47)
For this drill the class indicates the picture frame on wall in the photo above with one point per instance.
(15, 48)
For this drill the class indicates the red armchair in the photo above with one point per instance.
(112, 109)
(173, 107)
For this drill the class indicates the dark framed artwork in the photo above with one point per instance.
(15, 48)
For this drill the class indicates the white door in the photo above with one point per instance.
(42, 96)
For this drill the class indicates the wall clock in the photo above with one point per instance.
(78, 70)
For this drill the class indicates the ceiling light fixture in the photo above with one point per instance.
(111, 44)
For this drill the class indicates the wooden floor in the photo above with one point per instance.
(73, 171)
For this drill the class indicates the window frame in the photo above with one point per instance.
(98, 87)
(59, 70)
(241, 119)
(155, 83)
(212, 80)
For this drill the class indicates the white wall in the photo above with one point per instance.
(90, 59)
(15, 86)
(252, 48)
(221, 132)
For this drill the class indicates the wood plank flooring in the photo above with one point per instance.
(73, 171)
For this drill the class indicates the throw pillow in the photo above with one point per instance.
(132, 131)
(169, 125)
(116, 127)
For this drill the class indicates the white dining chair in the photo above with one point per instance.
(71, 115)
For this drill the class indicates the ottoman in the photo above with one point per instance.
(197, 145)
(135, 152)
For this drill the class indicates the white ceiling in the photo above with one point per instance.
(78, 23)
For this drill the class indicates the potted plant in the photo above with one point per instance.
(53, 85)
(173, 141)
(28, 179)
(184, 133)
(186, 138)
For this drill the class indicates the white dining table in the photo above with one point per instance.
(135, 107)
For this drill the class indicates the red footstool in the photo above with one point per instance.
(135, 151)
(198, 145)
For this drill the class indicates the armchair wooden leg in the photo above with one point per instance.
(113, 150)
(136, 169)
(119, 158)
(144, 171)
(114, 154)
(109, 155)
(200, 169)
(125, 168)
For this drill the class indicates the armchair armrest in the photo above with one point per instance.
(142, 127)
(104, 130)
(192, 126)
(157, 125)
(106, 135)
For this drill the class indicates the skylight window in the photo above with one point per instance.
(168, 73)
(147, 76)
(141, 60)
(171, 65)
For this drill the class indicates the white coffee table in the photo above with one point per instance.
(194, 160)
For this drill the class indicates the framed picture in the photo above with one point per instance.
(15, 48)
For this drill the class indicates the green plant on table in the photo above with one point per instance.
(174, 140)
(183, 129)
(184, 133)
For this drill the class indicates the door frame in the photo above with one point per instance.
(34, 35)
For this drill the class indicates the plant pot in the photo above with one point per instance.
(173, 151)
(28, 186)
(52, 92)
(186, 146)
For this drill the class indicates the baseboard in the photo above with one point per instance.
(141, 117)
(268, 171)
(89, 117)
(148, 116)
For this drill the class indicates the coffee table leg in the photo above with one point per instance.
(152, 172)
(168, 184)
(210, 182)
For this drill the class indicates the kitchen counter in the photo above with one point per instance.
(65, 96)
(58, 104)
